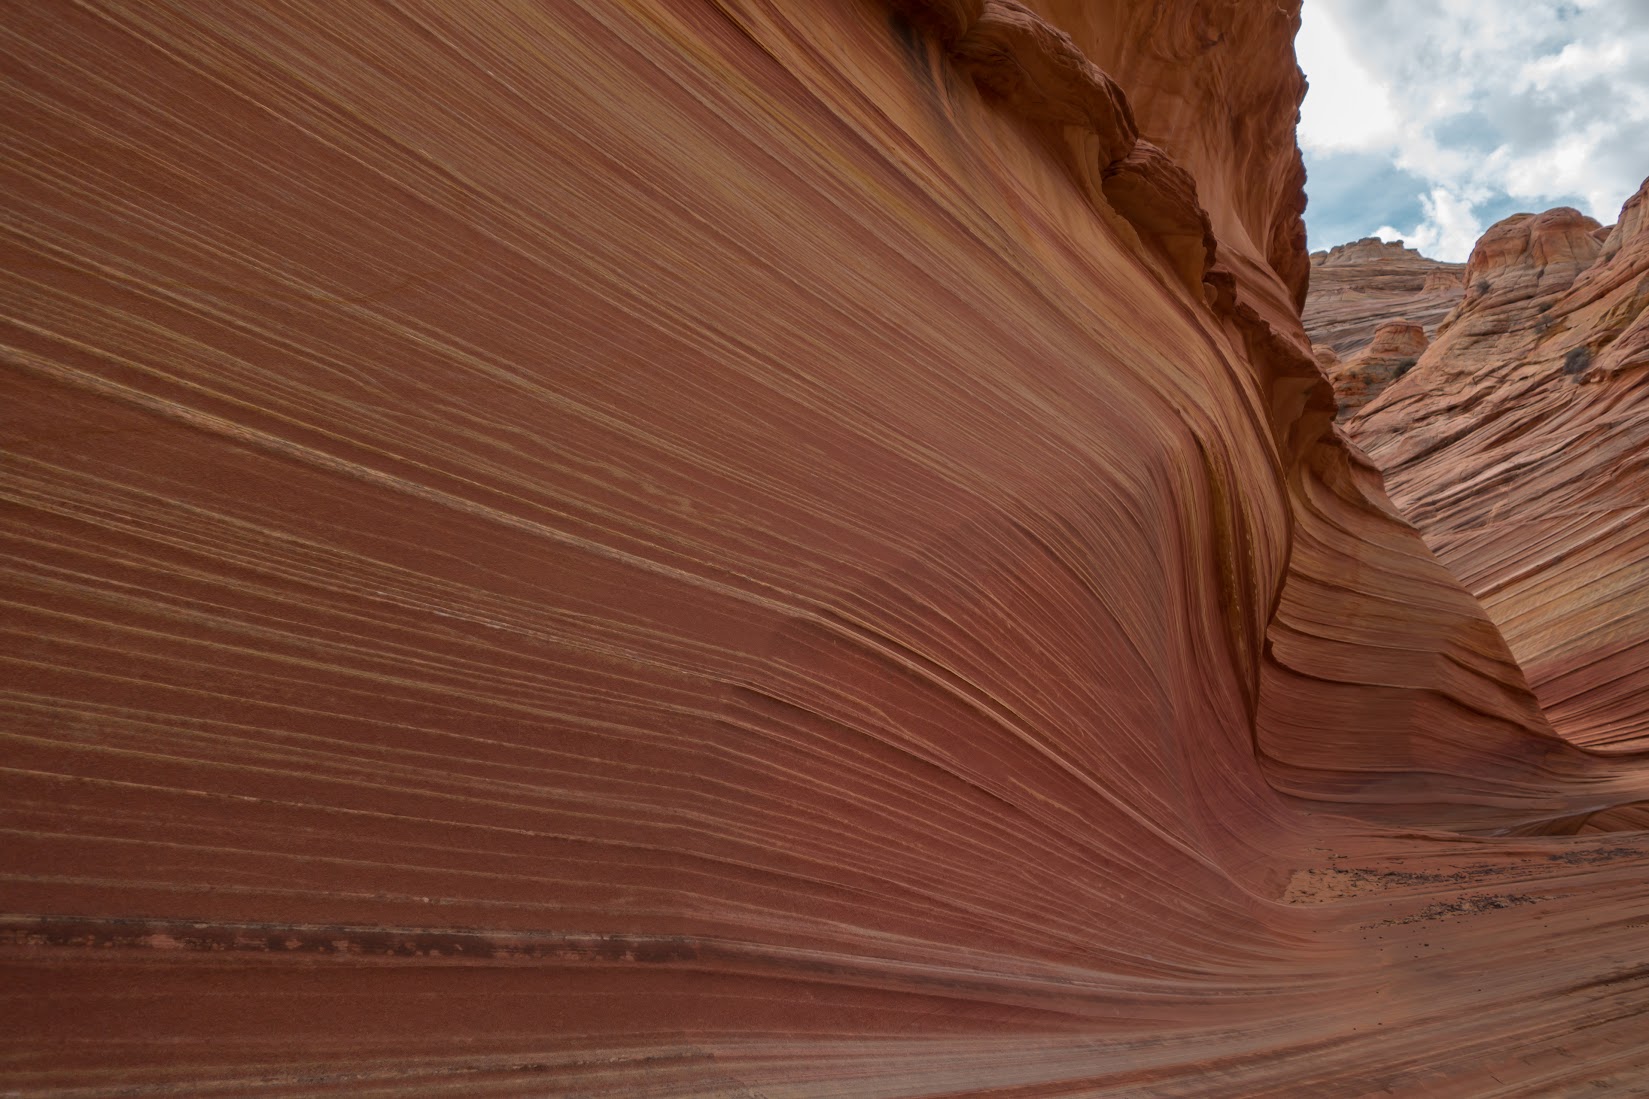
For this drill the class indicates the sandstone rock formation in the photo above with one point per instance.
(1517, 446)
(1372, 307)
(1357, 287)
(705, 549)
(1396, 347)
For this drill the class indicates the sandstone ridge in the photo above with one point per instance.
(1395, 349)
(700, 549)
(1515, 446)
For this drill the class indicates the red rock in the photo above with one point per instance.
(1159, 198)
(1038, 73)
(1358, 291)
(685, 550)
(1516, 448)
(1369, 251)
(1629, 232)
(947, 20)
(1357, 287)
(1443, 281)
(1398, 338)
(1394, 351)
(1527, 255)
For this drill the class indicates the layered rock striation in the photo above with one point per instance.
(1395, 349)
(1357, 287)
(1372, 308)
(683, 549)
(1517, 447)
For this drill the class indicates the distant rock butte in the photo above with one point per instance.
(1358, 293)
(688, 549)
(1369, 250)
(1398, 338)
(1443, 280)
(1357, 287)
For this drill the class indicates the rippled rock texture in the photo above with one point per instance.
(1518, 446)
(687, 549)
(1372, 308)
(1356, 288)
(1392, 353)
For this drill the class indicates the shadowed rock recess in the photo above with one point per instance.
(722, 549)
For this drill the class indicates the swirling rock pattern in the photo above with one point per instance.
(681, 549)
(1517, 446)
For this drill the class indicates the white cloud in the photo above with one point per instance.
(1449, 229)
(1567, 166)
(1345, 108)
(1578, 61)
(1490, 103)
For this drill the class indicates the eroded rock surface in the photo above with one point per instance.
(697, 549)
(1396, 347)
(1355, 288)
(1372, 308)
(1517, 445)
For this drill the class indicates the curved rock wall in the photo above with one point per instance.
(683, 549)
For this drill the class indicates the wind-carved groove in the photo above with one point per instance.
(1034, 69)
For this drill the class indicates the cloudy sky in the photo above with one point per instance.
(1430, 120)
